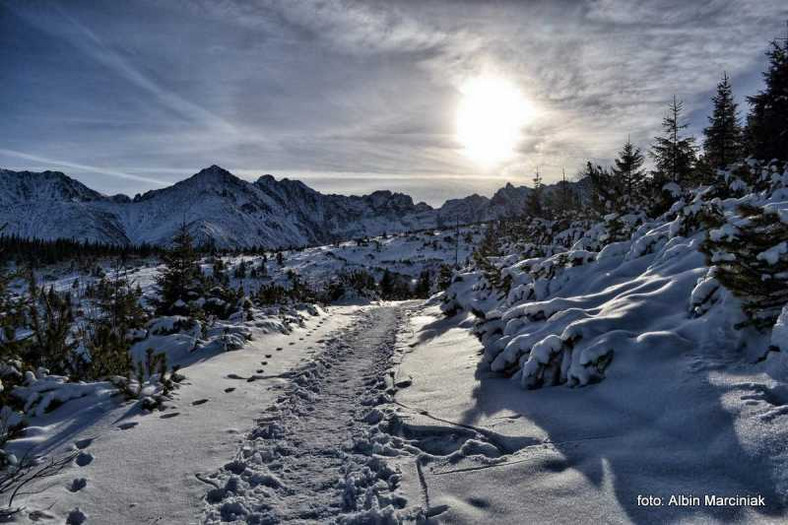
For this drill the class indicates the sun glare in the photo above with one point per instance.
(490, 116)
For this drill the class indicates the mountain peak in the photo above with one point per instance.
(212, 176)
(213, 171)
(45, 185)
(229, 211)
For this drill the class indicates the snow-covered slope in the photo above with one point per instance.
(225, 210)
(50, 205)
(673, 358)
(563, 317)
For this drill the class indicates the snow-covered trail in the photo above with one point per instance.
(311, 456)
(144, 464)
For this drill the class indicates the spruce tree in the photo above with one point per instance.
(722, 139)
(12, 313)
(181, 279)
(767, 131)
(387, 285)
(673, 152)
(564, 198)
(423, 285)
(445, 276)
(752, 262)
(534, 206)
(628, 169)
(604, 190)
(108, 336)
(51, 320)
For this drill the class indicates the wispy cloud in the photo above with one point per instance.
(367, 88)
(56, 163)
(87, 41)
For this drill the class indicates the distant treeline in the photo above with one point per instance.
(39, 252)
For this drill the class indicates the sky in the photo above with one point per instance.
(351, 97)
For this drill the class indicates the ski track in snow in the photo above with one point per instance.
(311, 456)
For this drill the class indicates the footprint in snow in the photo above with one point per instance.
(38, 515)
(199, 402)
(268, 356)
(263, 363)
(77, 484)
(126, 426)
(234, 376)
(278, 348)
(76, 517)
(479, 503)
(260, 371)
(84, 459)
(170, 415)
(228, 390)
(83, 443)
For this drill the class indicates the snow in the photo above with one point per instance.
(42, 394)
(227, 211)
(585, 456)
(340, 446)
(780, 331)
(613, 365)
(705, 294)
(773, 255)
(143, 465)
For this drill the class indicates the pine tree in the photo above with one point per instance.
(445, 276)
(423, 285)
(107, 336)
(753, 263)
(767, 131)
(628, 169)
(240, 270)
(604, 190)
(563, 199)
(12, 313)
(722, 142)
(51, 320)
(181, 279)
(673, 153)
(534, 205)
(386, 285)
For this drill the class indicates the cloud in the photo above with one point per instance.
(82, 167)
(363, 87)
(354, 27)
(87, 41)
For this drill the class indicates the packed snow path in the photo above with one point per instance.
(311, 456)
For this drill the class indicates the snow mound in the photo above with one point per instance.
(567, 317)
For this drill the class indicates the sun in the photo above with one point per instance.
(490, 117)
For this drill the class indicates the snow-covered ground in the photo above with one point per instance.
(661, 424)
(613, 378)
(143, 467)
(317, 455)
(406, 253)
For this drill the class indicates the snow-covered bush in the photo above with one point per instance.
(628, 284)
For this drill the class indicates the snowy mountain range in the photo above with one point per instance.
(223, 209)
